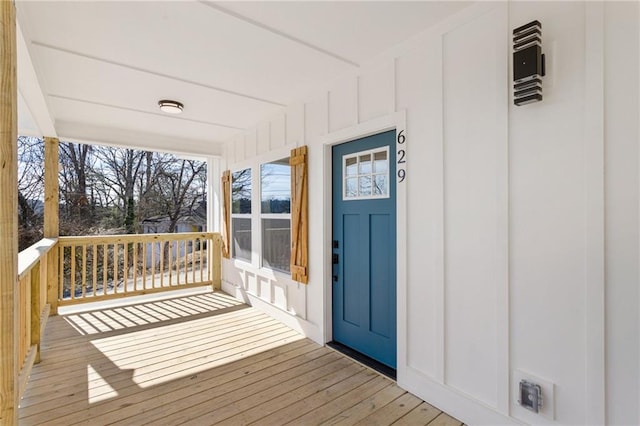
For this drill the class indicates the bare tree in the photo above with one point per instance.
(77, 164)
(106, 186)
(119, 170)
(30, 190)
(175, 189)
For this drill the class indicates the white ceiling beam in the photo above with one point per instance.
(30, 88)
(279, 33)
(111, 136)
(159, 114)
(159, 74)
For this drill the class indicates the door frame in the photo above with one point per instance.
(397, 122)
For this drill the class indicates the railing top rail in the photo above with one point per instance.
(132, 238)
(28, 257)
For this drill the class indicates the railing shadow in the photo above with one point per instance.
(105, 322)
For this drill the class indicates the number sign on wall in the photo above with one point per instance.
(401, 158)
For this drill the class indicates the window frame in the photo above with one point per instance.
(283, 216)
(357, 155)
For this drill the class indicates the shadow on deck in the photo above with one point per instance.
(200, 359)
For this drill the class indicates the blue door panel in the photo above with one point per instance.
(381, 296)
(364, 291)
(351, 263)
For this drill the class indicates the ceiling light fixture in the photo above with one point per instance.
(170, 107)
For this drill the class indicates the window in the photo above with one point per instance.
(275, 214)
(241, 214)
(366, 175)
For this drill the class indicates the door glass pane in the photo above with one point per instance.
(380, 185)
(351, 189)
(351, 166)
(380, 164)
(365, 185)
(365, 164)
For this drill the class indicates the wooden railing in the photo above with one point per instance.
(33, 308)
(70, 270)
(102, 267)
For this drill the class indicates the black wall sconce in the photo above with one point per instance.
(528, 63)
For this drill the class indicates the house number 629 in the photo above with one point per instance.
(402, 173)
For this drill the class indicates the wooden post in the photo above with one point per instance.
(51, 217)
(36, 309)
(215, 261)
(8, 216)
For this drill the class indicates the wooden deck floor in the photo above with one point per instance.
(203, 359)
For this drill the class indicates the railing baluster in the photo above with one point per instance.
(153, 265)
(177, 259)
(84, 271)
(125, 268)
(202, 257)
(214, 258)
(22, 323)
(73, 271)
(94, 264)
(144, 266)
(61, 273)
(116, 264)
(105, 268)
(26, 286)
(184, 266)
(44, 267)
(135, 266)
(170, 258)
(181, 266)
(35, 310)
(161, 253)
(193, 261)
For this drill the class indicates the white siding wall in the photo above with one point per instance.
(522, 242)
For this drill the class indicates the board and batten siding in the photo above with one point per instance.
(522, 222)
(622, 201)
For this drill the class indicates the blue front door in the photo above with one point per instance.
(364, 246)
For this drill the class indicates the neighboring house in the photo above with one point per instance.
(192, 220)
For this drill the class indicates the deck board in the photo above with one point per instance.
(203, 359)
(422, 414)
(392, 412)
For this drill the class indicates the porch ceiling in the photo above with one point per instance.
(101, 67)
